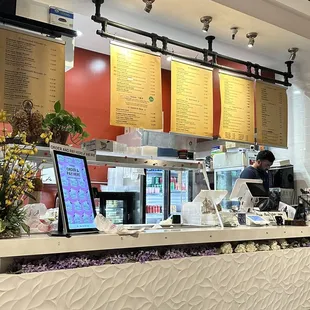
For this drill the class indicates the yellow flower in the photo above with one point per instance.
(35, 150)
(43, 135)
(21, 162)
(2, 116)
(8, 202)
(47, 140)
(2, 139)
(30, 185)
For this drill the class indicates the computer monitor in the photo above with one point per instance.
(77, 208)
(241, 186)
(257, 190)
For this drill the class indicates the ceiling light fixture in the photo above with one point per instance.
(206, 20)
(148, 5)
(234, 31)
(293, 51)
(251, 36)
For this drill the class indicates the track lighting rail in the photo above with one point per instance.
(209, 57)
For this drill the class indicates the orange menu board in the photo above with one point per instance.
(136, 95)
(271, 114)
(237, 108)
(191, 100)
(32, 68)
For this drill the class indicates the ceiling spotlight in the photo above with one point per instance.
(234, 31)
(148, 5)
(251, 36)
(293, 51)
(206, 20)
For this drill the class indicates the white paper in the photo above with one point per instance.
(283, 207)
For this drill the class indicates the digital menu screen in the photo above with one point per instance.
(77, 198)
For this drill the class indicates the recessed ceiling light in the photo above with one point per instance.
(251, 36)
(293, 51)
(206, 20)
(148, 5)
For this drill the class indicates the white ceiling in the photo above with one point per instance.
(301, 6)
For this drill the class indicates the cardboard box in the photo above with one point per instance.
(61, 17)
(105, 145)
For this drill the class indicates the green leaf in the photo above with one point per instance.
(30, 196)
(57, 107)
(26, 228)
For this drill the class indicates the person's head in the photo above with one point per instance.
(264, 160)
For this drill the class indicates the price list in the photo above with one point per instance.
(191, 100)
(136, 95)
(271, 114)
(32, 68)
(237, 108)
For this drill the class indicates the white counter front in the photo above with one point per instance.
(44, 244)
(273, 280)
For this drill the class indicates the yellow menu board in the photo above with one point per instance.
(271, 114)
(237, 108)
(191, 100)
(136, 95)
(32, 68)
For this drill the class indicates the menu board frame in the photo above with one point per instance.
(160, 115)
(209, 69)
(49, 106)
(253, 107)
(261, 142)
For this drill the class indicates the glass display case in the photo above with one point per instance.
(225, 179)
(155, 193)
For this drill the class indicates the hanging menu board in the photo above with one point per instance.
(136, 96)
(271, 114)
(237, 102)
(191, 100)
(32, 68)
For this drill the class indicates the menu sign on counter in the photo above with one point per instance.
(237, 102)
(32, 68)
(136, 96)
(191, 100)
(271, 114)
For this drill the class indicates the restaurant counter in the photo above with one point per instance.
(260, 280)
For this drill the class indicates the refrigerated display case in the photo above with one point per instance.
(225, 179)
(155, 196)
(121, 207)
(180, 190)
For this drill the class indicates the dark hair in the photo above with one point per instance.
(265, 155)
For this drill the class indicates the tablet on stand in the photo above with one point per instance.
(77, 207)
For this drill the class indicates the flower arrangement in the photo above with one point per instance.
(16, 181)
(71, 261)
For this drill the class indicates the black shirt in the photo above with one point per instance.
(252, 173)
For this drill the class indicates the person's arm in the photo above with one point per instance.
(248, 174)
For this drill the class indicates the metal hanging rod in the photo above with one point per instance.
(210, 57)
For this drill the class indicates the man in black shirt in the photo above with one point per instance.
(258, 170)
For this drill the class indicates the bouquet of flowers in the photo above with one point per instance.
(16, 181)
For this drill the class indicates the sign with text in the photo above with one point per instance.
(237, 104)
(136, 94)
(191, 100)
(271, 114)
(90, 155)
(32, 68)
